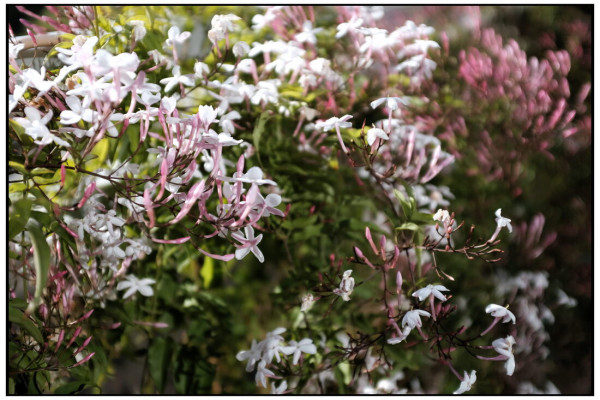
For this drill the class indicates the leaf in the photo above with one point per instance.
(70, 388)
(404, 203)
(19, 167)
(159, 360)
(408, 226)
(18, 216)
(259, 129)
(41, 258)
(207, 272)
(193, 373)
(100, 150)
(17, 187)
(17, 316)
(20, 131)
(42, 171)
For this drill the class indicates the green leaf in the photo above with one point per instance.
(41, 258)
(408, 226)
(70, 388)
(42, 171)
(19, 167)
(259, 128)
(17, 187)
(17, 316)
(20, 131)
(18, 216)
(193, 373)
(207, 272)
(159, 360)
(404, 203)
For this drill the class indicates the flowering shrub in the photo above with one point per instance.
(179, 186)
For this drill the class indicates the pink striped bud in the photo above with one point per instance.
(172, 241)
(83, 346)
(149, 210)
(77, 332)
(32, 36)
(370, 239)
(226, 257)
(86, 315)
(61, 336)
(63, 174)
(86, 359)
(382, 246)
(398, 282)
(88, 192)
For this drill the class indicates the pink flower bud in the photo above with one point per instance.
(398, 282)
(61, 336)
(149, 210)
(86, 359)
(77, 332)
(63, 174)
(370, 239)
(83, 346)
(88, 192)
(172, 241)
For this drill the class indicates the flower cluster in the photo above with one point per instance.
(261, 355)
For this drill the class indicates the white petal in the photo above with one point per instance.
(146, 291)
(129, 292)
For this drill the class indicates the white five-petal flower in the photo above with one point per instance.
(467, 382)
(133, 284)
(505, 347)
(346, 286)
(413, 318)
(500, 312)
(503, 222)
(374, 133)
(434, 290)
(297, 348)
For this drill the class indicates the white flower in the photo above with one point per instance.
(133, 284)
(224, 22)
(413, 318)
(304, 346)
(467, 382)
(442, 216)
(35, 126)
(279, 390)
(139, 30)
(174, 36)
(262, 372)
(252, 355)
(255, 175)
(503, 222)
(346, 286)
(331, 123)
(434, 290)
(77, 112)
(391, 102)
(240, 49)
(307, 302)
(31, 77)
(505, 347)
(249, 244)
(201, 69)
(374, 133)
(500, 312)
(349, 26)
(176, 78)
(405, 332)
(308, 33)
